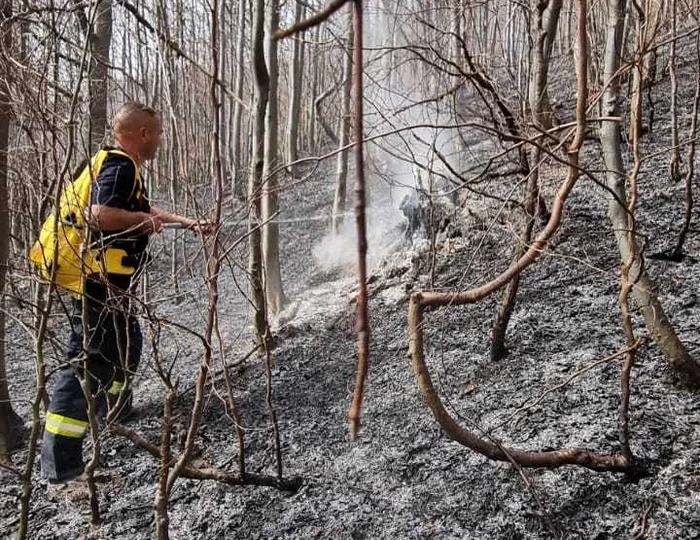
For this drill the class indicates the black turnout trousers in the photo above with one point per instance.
(112, 354)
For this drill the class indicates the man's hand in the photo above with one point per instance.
(202, 226)
(153, 224)
(177, 221)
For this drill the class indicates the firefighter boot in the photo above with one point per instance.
(61, 458)
(66, 426)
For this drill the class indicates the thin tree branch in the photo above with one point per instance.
(321, 16)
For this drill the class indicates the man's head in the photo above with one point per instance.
(138, 130)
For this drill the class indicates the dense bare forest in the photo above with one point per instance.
(451, 288)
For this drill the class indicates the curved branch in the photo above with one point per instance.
(489, 448)
(554, 458)
(321, 16)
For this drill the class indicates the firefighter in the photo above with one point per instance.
(413, 209)
(121, 220)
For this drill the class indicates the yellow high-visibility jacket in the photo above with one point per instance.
(63, 254)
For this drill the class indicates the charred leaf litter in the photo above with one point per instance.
(404, 478)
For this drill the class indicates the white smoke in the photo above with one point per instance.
(338, 251)
(399, 164)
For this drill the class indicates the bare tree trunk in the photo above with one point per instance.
(327, 130)
(510, 35)
(295, 95)
(458, 147)
(500, 325)
(11, 426)
(237, 160)
(174, 162)
(675, 163)
(262, 88)
(653, 21)
(100, 40)
(362, 317)
(677, 253)
(224, 142)
(270, 201)
(162, 518)
(545, 15)
(342, 169)
(315, 85)
(643, 292)
(625, 283)
(635, 84)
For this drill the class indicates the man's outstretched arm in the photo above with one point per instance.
(167, 217)
(110, 218)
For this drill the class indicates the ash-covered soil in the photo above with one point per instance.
(404, 478)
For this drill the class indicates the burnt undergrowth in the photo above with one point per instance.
(404, 478)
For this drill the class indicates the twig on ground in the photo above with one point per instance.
(525, 407)
(642, 525)
(209, 472)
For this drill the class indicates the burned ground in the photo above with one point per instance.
(404, 478)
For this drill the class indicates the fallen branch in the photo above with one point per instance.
(207, 471)
(497, 452)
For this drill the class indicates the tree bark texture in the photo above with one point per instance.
(100, 41)
(341, 181)
(262, 88)
(295, 95)
(545, 19)
(362, 316)
(11, 426)
(270, 193)
(643, 293)
(237, 159)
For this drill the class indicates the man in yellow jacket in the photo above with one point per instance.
(121, 221)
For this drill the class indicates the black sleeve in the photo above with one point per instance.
(114, 185)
